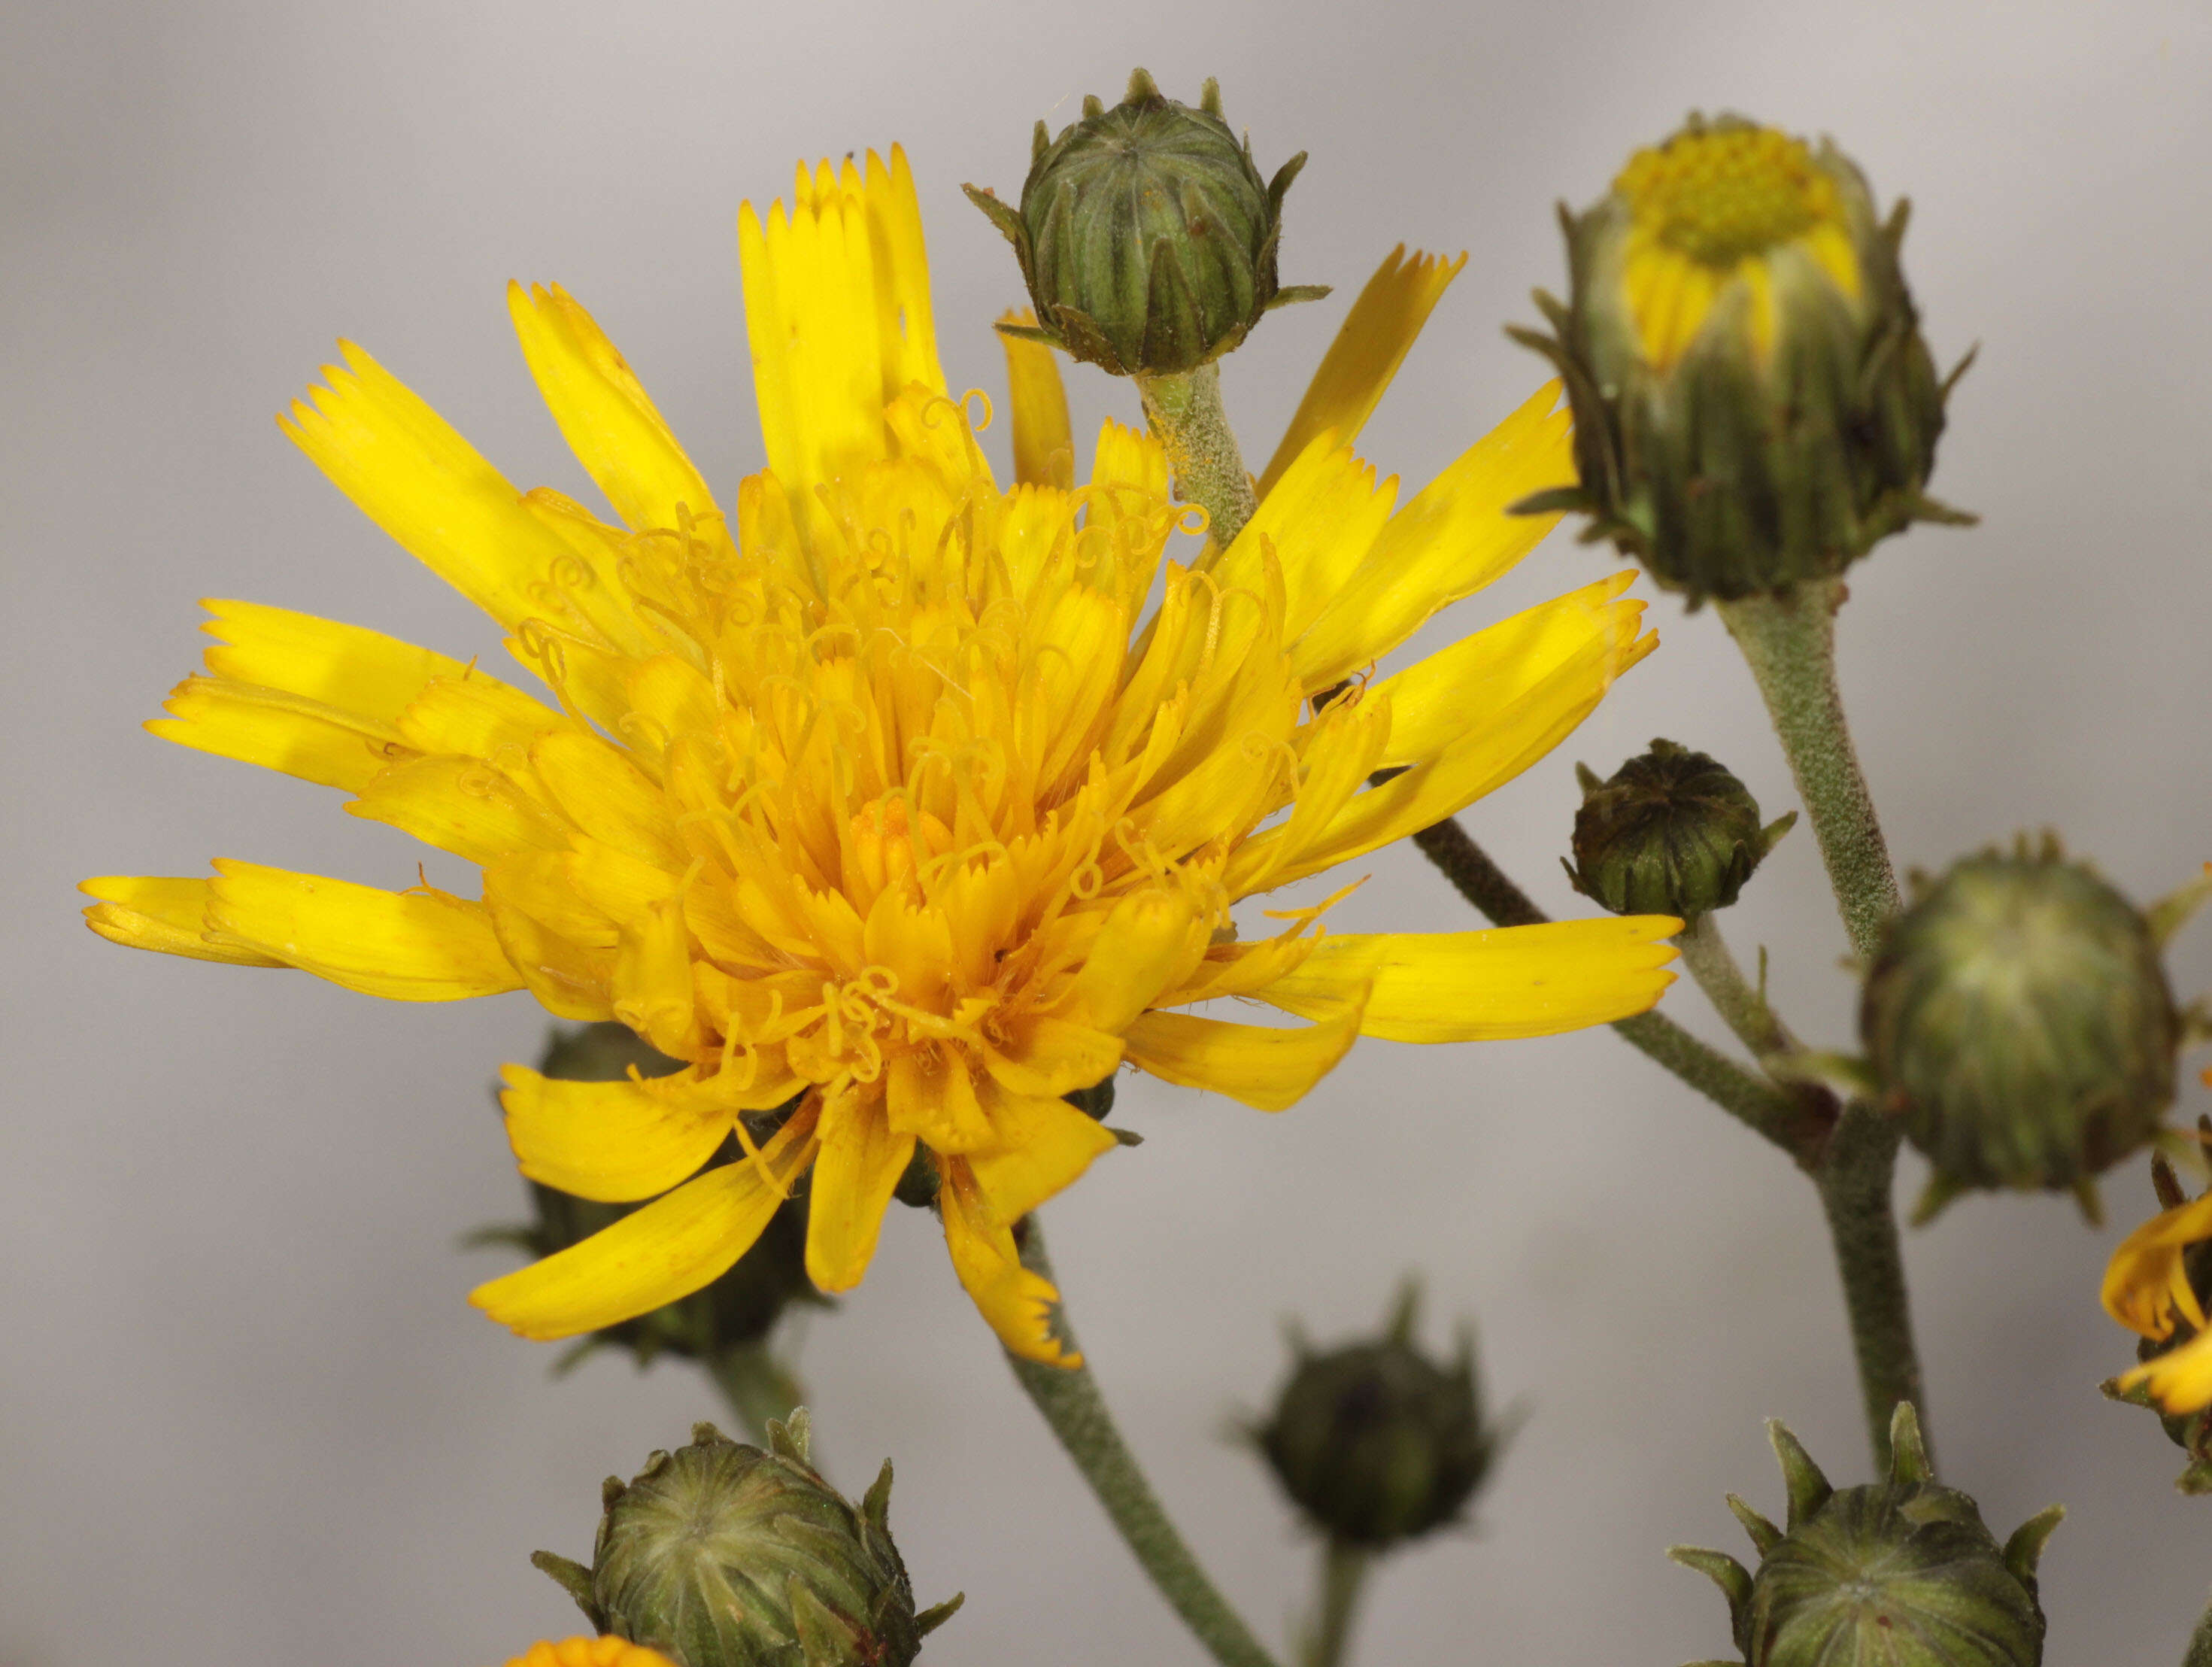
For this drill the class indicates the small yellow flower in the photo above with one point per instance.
(1718, 206)
(591, 1653)
(875, 789)
(2148, 1289)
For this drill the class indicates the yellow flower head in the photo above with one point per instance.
(874, 791)
(590, 1653)
(2148, 1289)
(1715, 206)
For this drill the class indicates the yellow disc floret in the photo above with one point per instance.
(1713, 205)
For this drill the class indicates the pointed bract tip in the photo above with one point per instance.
(1724, 1571)
(790, 1438)
(876, 1503)
(1809, 1487)
(1143, 89)
(938, 1614)
(573, 1577)
(1908, 1448)
(704, 1434)
(1404, 1310)
(2023, 1550)
(1765, 1536)
(1093, 106)
(1040, 141)
(1209, 98)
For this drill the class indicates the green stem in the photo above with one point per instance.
(1185, 411)
(1790, 640)
(1740, 1004)
(1071, 1404)
(755, 1385)
(2200, 1644)
(1857, 1178)
(1343, 1573)
(1798, 1123)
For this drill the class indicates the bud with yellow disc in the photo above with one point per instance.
(1753, 404)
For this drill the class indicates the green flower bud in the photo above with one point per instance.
(1901, 1572)
(737, 1309)
(2018, 1018)
(1753, 403)
(1145, 234)
(1376, 1442)
(719, 1555)
(1671, 832)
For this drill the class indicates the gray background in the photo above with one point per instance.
(245, 1414)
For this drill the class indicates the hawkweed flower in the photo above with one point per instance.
(607, 1651)
(874, 786)
(2156, 1285)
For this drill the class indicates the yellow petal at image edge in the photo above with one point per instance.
(1369, 346)
(604, 414)
(861, 1163)
(408, 470)
(2145, 1283)
(1268, 1068)
(651, 1257)
(2180, 1382)
(616, 1141)
(1014, 1302)
(1485, 986)
(403, 945)
(607, 1651)
(1044, 443)
(145, 911)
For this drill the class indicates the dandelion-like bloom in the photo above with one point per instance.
(591, 1653)
(2155, 1285)
(875, 790)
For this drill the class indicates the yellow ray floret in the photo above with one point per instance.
(897, 805)
(2147, 1290)
(590, 1653)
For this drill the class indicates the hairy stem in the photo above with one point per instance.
(1740, 1006)
(1790, 640)
(1855, 1183)
(1343, 1575)
(1796, 1121)
(1185, 411)
(757, 1386)
(1073, 1406)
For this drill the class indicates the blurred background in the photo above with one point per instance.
(245, 1412)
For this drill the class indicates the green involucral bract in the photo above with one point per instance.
(1378, 1443)
(1898, 1573)
(1670, 832)
(2018, 1018)
(719, 1555)
(1146, 235)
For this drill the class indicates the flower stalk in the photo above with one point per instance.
(1071, 1405)
(1343, 1571)
(1741, 1004)
(1798, 1123)
(1790, 640)
(1185, 411)
(756, 1384)
(1856, 1180)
